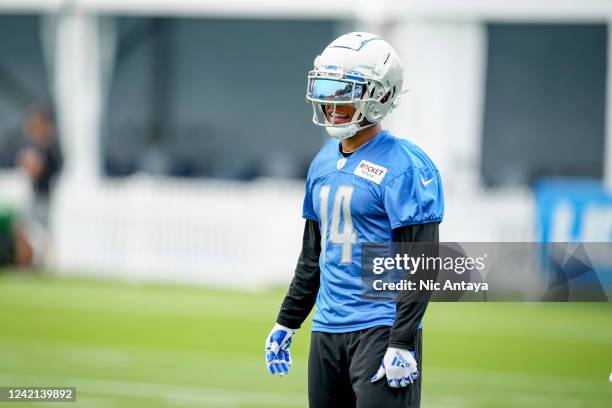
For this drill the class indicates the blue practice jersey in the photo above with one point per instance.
(386, 184)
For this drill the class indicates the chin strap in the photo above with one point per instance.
(344, 132)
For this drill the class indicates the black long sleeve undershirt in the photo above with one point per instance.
(304, 287)
(411, 305)
(302, 293)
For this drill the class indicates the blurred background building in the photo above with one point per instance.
(186, 138)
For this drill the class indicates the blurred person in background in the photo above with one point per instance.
(41, 160)
(365, 185)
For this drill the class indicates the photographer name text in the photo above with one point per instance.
(430, 285)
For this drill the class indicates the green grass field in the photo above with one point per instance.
(129, 345)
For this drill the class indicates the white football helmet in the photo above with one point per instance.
(359, 69)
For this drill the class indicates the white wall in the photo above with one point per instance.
(444, 62)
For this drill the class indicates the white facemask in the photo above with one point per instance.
(344, 132)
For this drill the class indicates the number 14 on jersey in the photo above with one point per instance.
(341, 210)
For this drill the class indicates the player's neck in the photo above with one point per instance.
(362, 137)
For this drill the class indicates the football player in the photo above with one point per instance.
(365, 185)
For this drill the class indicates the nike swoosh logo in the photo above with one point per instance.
(426, 182)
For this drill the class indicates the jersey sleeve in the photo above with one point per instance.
(308, 208)
(308, 212)
(414, 197)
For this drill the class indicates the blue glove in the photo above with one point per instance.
(278, 357)
(399, 366)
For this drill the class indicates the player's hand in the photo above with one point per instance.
(278, 357)
(399, 366)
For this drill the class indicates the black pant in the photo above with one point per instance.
(340, 366)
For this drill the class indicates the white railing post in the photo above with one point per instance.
(78, 91)
(608, 116)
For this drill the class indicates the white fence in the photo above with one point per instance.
(219, 233)
(226, 233)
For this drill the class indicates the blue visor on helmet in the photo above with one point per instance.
(334, 90)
